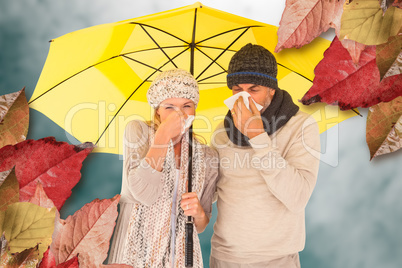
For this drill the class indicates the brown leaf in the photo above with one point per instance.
(396, 67)
(9, 191)
(4, 175)
(28, 258)
(87, 233)
(389, 54)
(339, 81)
(302, 21)
(55, 164)
(384, 127)
(14, 118)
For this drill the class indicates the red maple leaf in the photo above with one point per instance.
(340, 81)
(49, 261)
(56, 165)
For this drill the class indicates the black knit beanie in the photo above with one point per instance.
(253, 64)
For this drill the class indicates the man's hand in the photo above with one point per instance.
(249, 123)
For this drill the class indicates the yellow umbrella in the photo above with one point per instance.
(95, 80)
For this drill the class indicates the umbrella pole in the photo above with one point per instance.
(189, 222)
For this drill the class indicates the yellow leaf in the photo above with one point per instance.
(26, 224)
(363, 21)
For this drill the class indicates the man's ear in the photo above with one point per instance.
(272, 91)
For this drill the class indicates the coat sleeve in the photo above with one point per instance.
(291, 178)
(143, 182)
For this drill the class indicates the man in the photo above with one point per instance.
(267, 169)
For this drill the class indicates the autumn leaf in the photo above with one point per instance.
(302, 21)
(87, 233)
(354, 48)
(14, 118)
(28, 258)
(363, 21)
(397, 3)
(9, 191)
(384, 127)
(71, 263)
(49, 261)
(339, 81)
(4, 175)
(389, 54)
(25, 225)
(55, 164)
(41, 199)
(396, 67)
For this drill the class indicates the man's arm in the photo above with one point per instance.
(293, 176)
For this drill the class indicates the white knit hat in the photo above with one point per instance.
(175, 83)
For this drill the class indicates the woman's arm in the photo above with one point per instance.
(168, 130)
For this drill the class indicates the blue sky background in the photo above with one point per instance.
(354, 216)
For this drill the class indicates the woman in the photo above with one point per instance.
(154, 202)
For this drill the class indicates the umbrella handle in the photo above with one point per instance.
(189, 244)
(189, 224)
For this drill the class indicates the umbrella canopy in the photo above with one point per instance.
(95, 80)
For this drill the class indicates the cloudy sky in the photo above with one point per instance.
(354, 216)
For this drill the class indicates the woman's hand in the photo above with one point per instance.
(192, 207)
(173, 125)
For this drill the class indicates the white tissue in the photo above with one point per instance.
(187, 123)
(229, 102)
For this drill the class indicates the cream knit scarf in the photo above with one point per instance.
(149, 231)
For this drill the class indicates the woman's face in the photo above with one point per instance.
(176, 105)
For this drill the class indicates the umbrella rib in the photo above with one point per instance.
(213, 83)
(150, 49)
(222, 33)
(149, 66)
(61, 82)
(163, 31)
(156, 43)
(211, 76)
(219, 48)
(295, 72)
(124, 103)
(210, 59)
(234, 41)
(121, 55)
